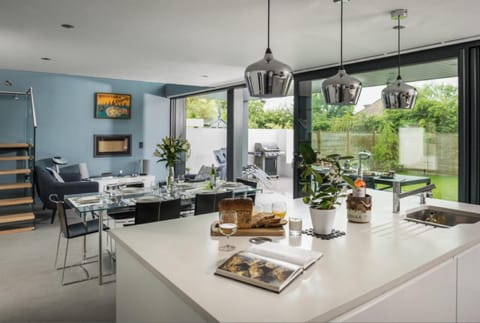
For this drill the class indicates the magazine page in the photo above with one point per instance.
(259, 270)
(298, 256)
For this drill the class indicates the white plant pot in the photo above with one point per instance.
(322, 220)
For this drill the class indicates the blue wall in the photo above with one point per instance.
(65, 116)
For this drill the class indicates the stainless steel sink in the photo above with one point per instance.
(440, 217)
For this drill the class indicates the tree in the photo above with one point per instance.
(322, 113)
(436, 110)
(259, 118)
(206, 109)
(385, 152)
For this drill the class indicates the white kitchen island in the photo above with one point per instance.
(385, 270)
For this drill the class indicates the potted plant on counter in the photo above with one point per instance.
(169, 151)
(323, 183)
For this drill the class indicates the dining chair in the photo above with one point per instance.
(126, 214)
(71, 231)
(204, 203)
(220, 196)
(250, 183)
(147, 211)
(208, 202)
(169, 209)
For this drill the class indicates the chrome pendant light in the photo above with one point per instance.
(268, 78)
(399, 95)
(341, 89)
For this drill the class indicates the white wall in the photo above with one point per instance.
(203, 142)
(156, 125)
(412, 149)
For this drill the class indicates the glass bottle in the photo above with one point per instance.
(213, 177)
(360, 186)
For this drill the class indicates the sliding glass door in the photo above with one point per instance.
(421, 142)
(206, 130)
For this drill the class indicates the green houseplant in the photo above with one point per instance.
(324, 185)
(169, 151)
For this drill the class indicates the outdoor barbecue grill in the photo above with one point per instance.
(266, 157)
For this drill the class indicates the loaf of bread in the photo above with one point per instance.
(244, 208)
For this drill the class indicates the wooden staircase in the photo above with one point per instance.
(17, 162)
(16, 188)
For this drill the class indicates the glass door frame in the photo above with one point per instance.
(237, 124)
(468, 58)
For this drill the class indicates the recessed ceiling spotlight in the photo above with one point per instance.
(67, 26)
(204, 75)
(45, 58)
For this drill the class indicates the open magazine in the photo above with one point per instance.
(270, 265)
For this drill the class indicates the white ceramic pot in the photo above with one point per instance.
(322, 220)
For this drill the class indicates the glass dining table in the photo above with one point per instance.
(100, 203)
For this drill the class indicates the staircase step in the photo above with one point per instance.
(19, 217)
(15, 158)
(16, 230)
(15, 186)
(14, 145)
(15, 171)
(16, 201)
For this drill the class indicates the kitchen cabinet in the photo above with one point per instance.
(429, 297)
(387, 270)
(468, 285)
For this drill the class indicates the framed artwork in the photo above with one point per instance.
(112, 145)
(112, 105)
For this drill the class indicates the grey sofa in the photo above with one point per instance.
(46, 184)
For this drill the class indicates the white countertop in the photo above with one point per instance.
(369, 260)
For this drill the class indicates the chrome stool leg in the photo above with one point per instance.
(64, 263)
(58, 247)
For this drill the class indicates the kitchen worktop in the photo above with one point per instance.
(369, 260)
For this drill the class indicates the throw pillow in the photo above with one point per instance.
(55, 174)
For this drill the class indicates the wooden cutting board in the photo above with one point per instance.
(276, 231)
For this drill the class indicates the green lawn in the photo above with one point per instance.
(447, 186)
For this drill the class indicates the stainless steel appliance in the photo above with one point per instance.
(266, 157)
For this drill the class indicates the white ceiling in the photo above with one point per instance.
(179, 41)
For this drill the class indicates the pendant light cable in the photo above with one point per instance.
(341, 34)
(341, 88)
(268, 77)
(398, 94)
(398, 46)
(268, 26)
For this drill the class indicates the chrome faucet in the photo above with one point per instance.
(397, 195)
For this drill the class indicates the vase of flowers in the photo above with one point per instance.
(323, 184)
(170, 151)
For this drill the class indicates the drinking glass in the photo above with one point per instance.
(105, 197)
(181, 179)
(279, 209)
(227, 227)
(116, 196)
(154, 187)
(109, 191)
(295, 226)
